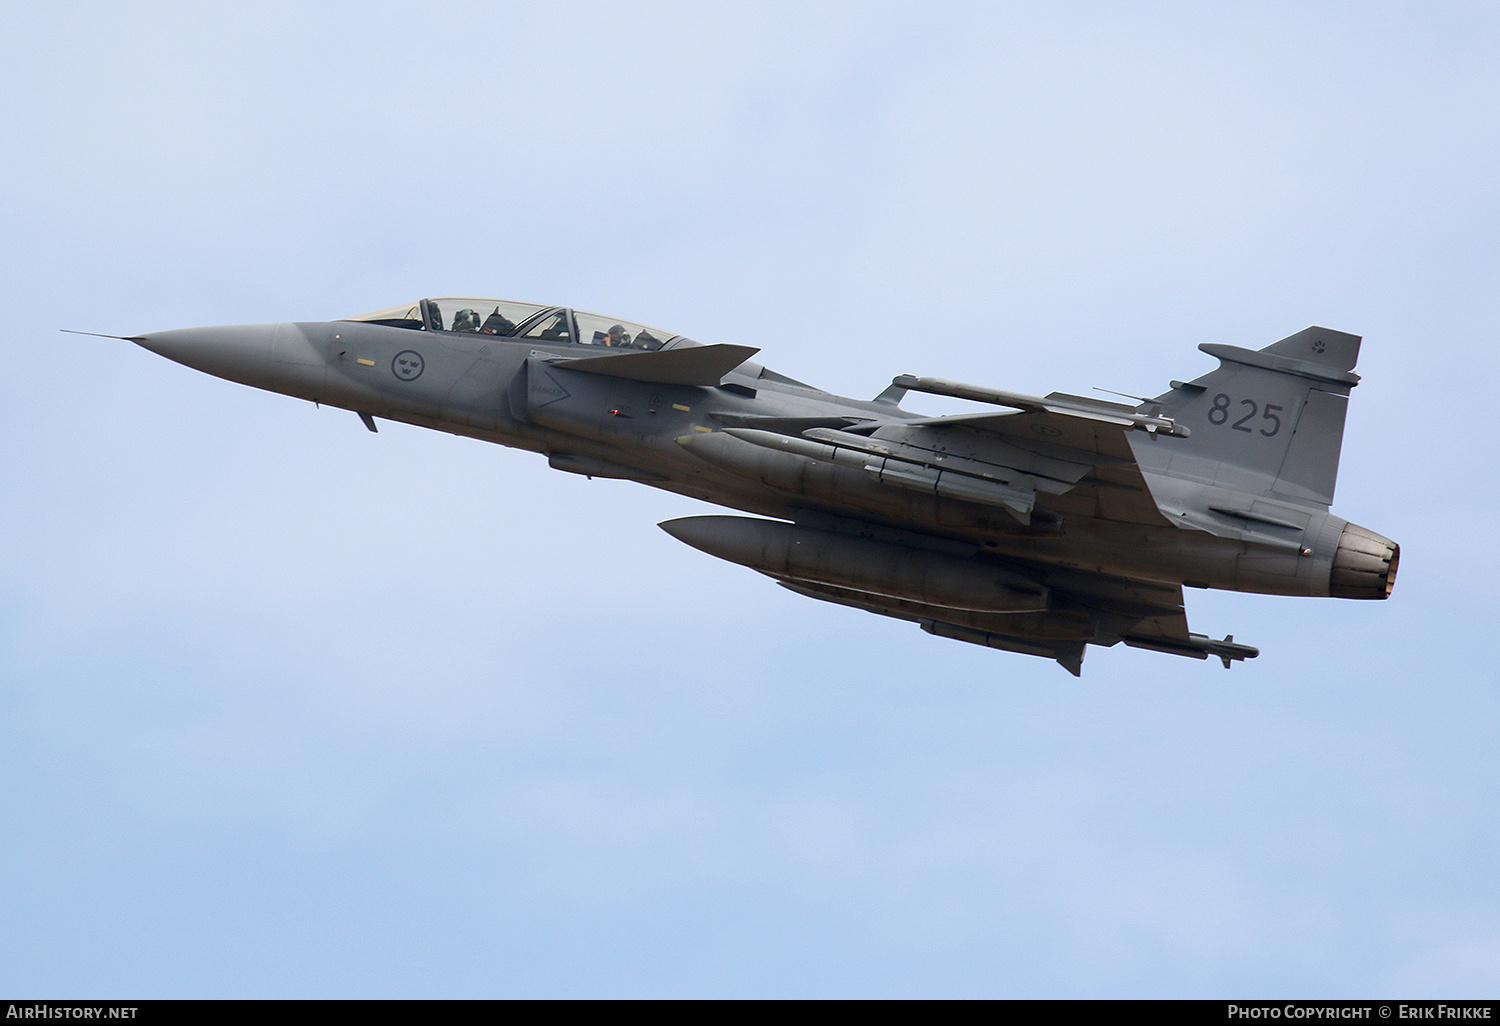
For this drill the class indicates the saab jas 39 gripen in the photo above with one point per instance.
(1038, 524)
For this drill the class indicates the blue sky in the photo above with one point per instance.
(289, 709)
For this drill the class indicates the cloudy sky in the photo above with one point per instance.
(290, 709)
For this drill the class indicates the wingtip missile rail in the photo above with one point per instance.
(1057, 403)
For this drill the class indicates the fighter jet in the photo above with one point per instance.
(1036, 524)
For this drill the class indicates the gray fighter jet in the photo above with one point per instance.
(1039, 524)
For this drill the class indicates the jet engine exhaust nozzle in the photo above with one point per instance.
(1364, 566)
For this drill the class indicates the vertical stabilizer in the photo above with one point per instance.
(1268, 421)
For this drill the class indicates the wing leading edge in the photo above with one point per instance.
(1073, 450)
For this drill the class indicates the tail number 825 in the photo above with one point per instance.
(1222, 409)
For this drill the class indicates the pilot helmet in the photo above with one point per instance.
(497, 323)
(466, 320)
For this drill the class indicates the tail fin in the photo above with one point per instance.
(1268, 421)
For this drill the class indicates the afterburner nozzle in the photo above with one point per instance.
(1364, 567)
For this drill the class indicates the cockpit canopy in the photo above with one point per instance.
(510, 319)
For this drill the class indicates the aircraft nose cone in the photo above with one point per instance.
(240, 352)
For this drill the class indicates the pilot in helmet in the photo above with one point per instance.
(497, 324)
(466, 320)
